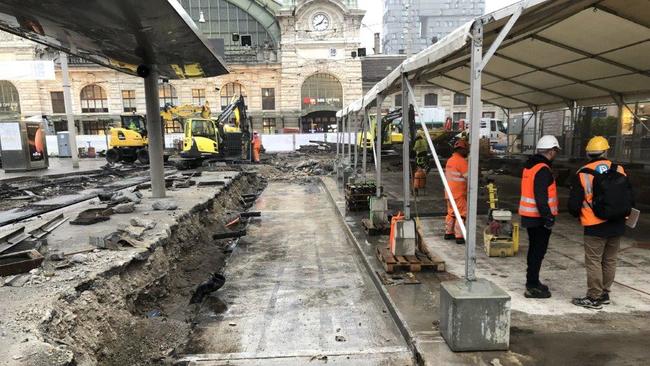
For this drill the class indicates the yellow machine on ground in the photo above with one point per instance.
(226, 136)
(220, 138)
(501, 236)
(129, 141)
(392, 137)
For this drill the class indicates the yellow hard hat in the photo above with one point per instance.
(420, 133)
(597, 143)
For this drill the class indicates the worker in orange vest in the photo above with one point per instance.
(456, 174)
(257, 146)
(538, 207)
(588, 200)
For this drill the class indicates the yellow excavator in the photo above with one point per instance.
(225, 137)
(392, 137)
(129, 141)
(204, 136)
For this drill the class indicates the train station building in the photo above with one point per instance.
(295, 62)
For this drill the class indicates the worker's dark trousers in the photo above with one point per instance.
(537, 244)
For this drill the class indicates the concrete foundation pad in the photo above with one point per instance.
(474, 315)
(378, 209)
(405, 238)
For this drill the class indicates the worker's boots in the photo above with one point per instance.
(460, 241)
(540, 291)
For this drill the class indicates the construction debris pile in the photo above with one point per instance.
(24, 191)
(309, 161)
(126, 303)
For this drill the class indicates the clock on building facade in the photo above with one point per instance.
(320, 22)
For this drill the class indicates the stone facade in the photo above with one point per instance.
(306, 51)
(303, 52)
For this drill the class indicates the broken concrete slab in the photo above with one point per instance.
(135, 232)
(111, 241)
(123, 208)
(93, 216)
(79, 258)
(126, 196)
(56, 256)
(164, 206)
(17, 280)
(147, 224)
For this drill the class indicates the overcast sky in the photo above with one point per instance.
(375, 8)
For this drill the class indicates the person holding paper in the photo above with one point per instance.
(601, 196)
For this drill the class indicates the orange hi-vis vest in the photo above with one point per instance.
(456, 174)
(527, 203)
(587, 215)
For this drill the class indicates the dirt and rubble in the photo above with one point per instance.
(128, 306)
(122, 307)
(20, 193)
(300, 166)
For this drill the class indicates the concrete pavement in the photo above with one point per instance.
(296, 293)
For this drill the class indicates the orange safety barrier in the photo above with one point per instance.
(393, 224)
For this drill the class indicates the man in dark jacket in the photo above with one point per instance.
(538, 207)
(602, 238)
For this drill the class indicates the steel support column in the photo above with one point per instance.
(535, 126)
(347, 132)
(338, 137)
(475, 131)
(618, 148)
(380, 101)
(155, 134)
(343, 132)
(364, 131)
(406, 166)
(69, 114)
(356, 148)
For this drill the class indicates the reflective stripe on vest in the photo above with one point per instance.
(587, 215)
(527, 202)
(456, 175)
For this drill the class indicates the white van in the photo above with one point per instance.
(495, 130)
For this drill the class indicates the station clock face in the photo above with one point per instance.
(320, 22)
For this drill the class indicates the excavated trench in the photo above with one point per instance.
(141, 314)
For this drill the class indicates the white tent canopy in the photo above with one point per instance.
(557, 53)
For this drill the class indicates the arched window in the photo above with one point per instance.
(9, 100)
(230, 90)
(322, 91)
(167, 95)
(431, 100)
(93, 99)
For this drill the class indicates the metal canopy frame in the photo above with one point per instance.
(517, 79)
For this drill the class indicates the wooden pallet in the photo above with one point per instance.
(373, 230)
(412, 263)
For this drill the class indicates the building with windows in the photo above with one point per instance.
(410, 26)
(292, 61)
(456, 105)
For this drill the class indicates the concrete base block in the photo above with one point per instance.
(474, 315)
(405, 238)
(378, 209)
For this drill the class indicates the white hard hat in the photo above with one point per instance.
(548, 142)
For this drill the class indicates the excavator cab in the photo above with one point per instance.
(134, 122)
(201, 138)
